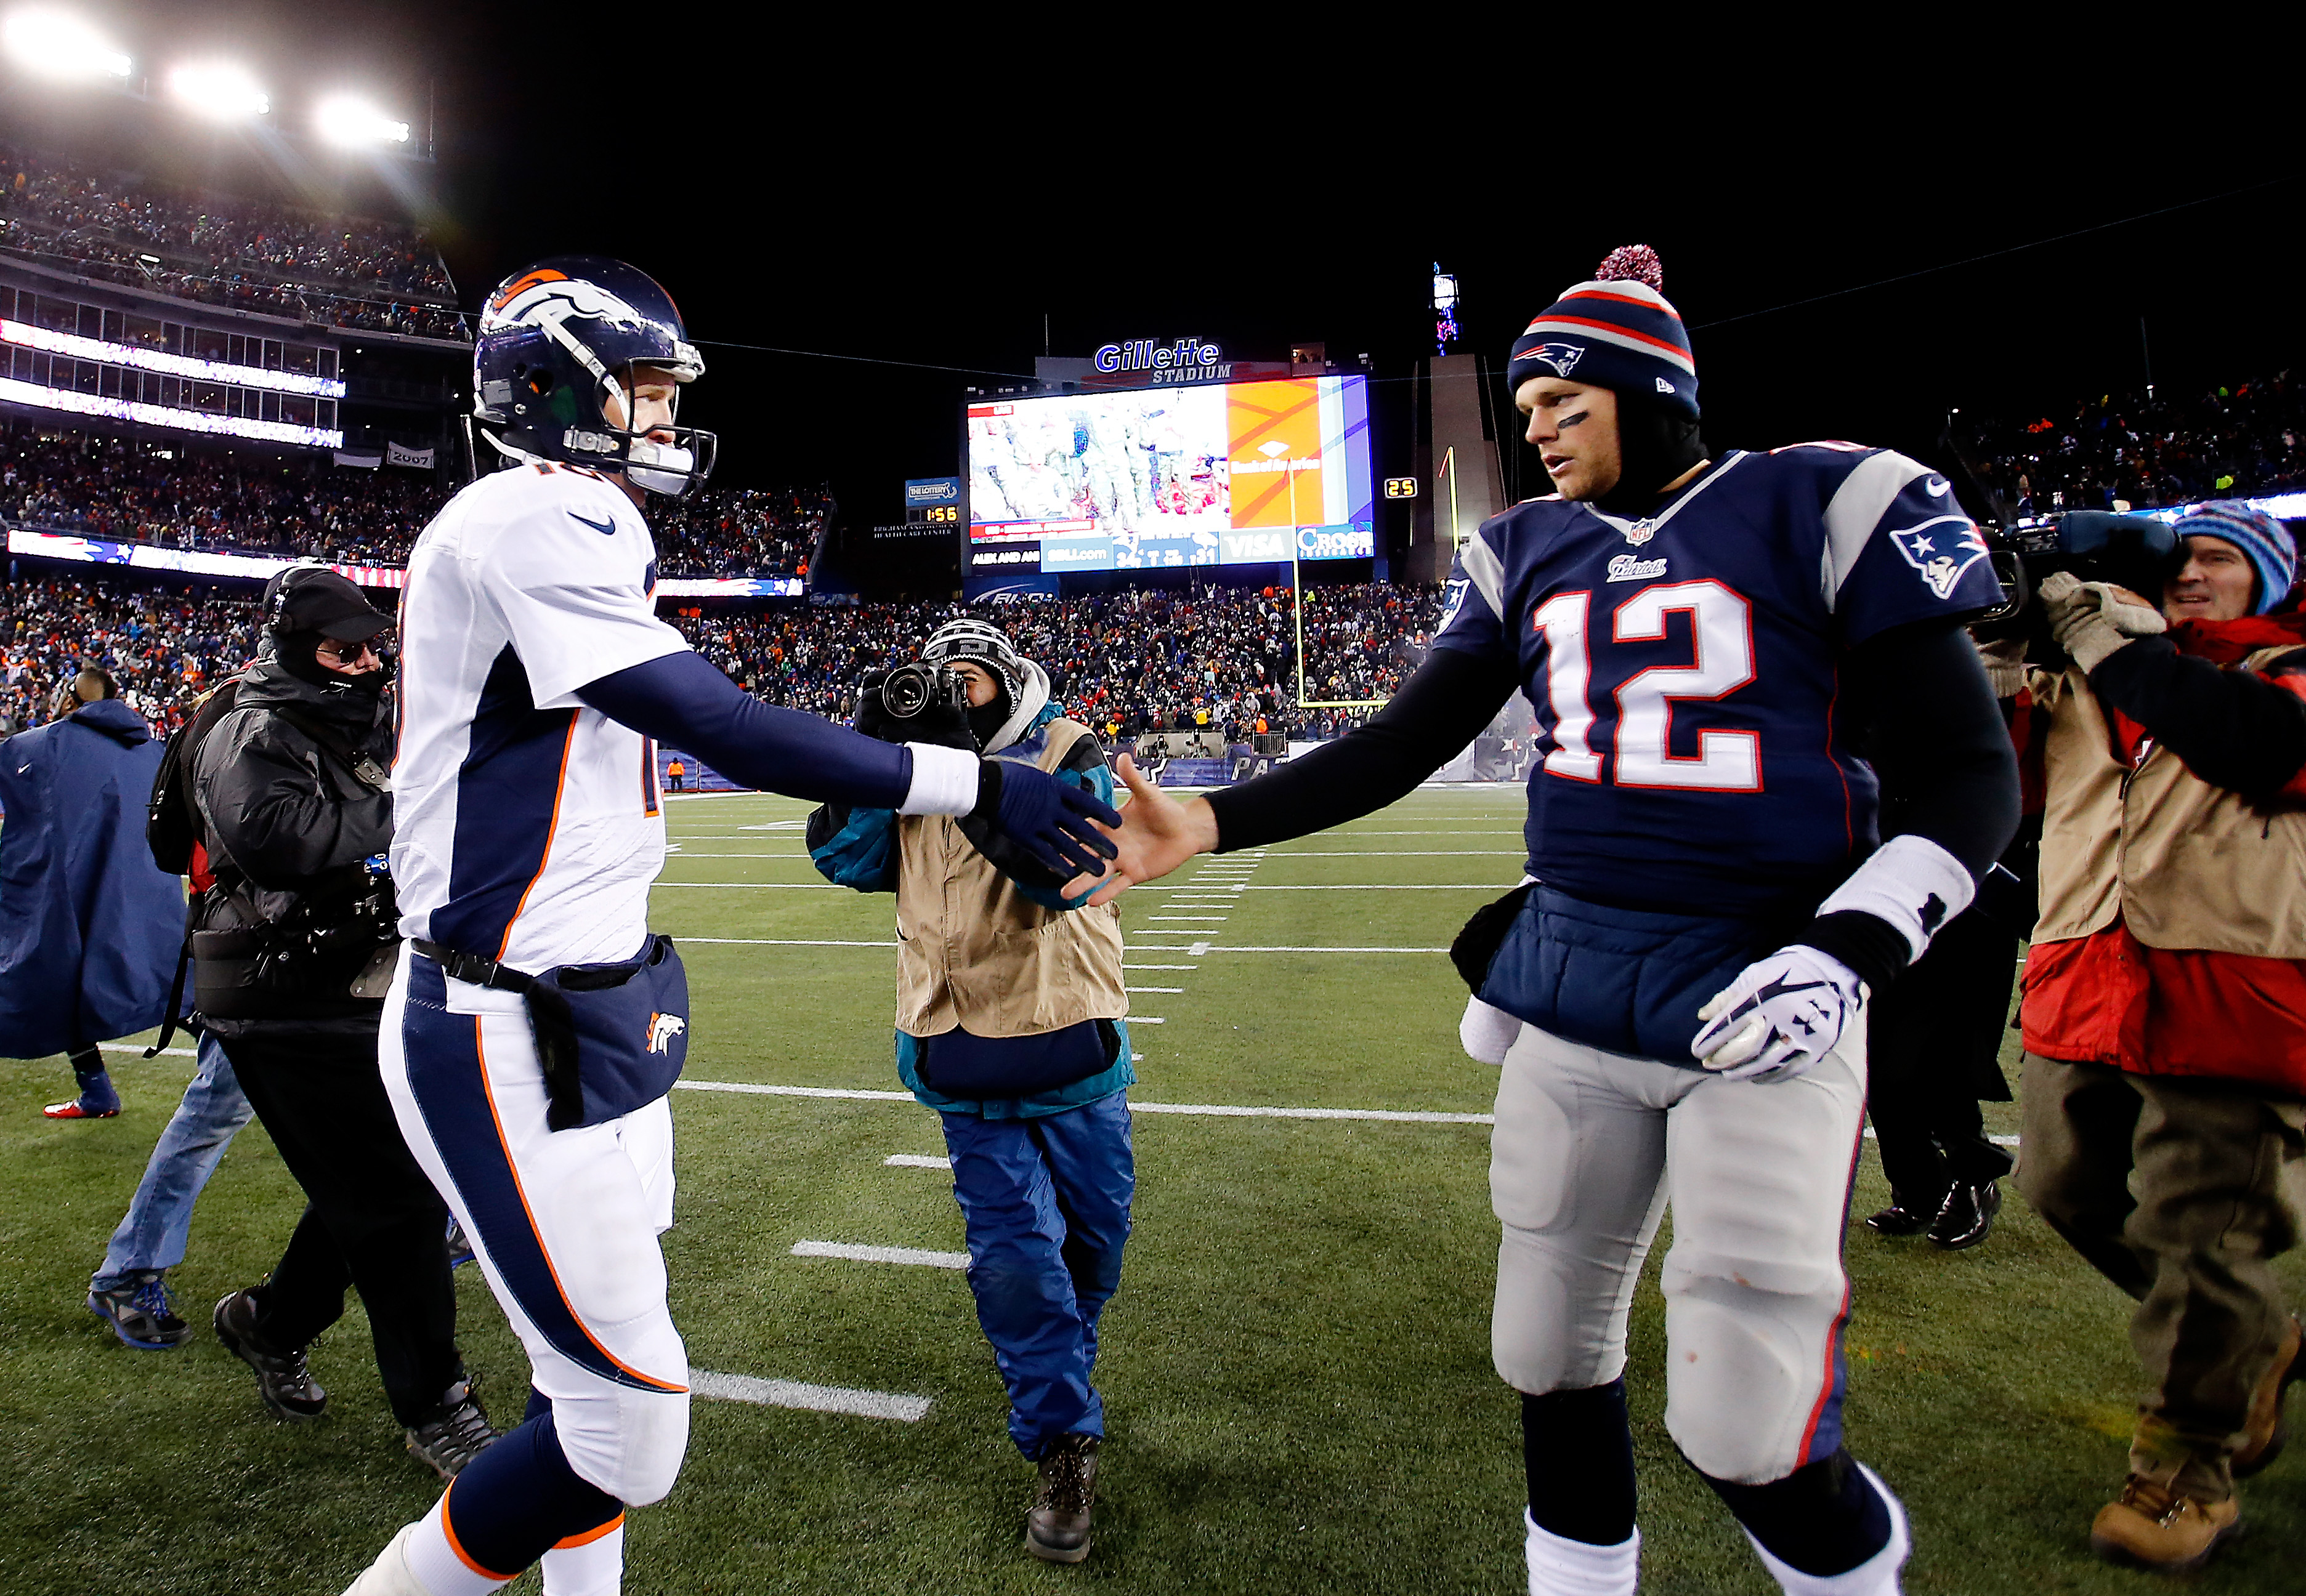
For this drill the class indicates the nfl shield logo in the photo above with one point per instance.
(1641, 531)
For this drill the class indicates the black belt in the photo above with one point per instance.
(548, 1022)
(475, 970)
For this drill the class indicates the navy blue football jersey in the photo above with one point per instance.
(1697, 748)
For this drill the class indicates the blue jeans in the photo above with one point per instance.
(1045, 1201)
(151, 1237)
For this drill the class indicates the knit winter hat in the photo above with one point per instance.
(1617, 332)
(2264, 541)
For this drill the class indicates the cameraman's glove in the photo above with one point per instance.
(2004, 659)
(1781, 1015)
(872, 716)
(1048, 818)
(2089, 622)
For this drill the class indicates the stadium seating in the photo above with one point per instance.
(2167, 448)
(344, 271)
(307, 505)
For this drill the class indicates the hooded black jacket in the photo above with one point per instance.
(287, 823)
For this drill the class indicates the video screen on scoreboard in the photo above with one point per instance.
(1229, 474)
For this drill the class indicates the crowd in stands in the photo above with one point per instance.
(343, 271)
(164, 648)
(2148, 448)
(1128, 663)
(307, 505)
(738, 531)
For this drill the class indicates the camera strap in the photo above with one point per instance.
(359, 761)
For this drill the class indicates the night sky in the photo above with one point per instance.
(929, 198)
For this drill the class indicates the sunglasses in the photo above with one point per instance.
(344, 652)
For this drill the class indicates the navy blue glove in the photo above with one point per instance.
(1048, 818)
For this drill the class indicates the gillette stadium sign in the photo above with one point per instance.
(1187, 360)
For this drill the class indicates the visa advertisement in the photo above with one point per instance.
(1231, 474)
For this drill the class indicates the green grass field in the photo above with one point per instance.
(1296, 1369)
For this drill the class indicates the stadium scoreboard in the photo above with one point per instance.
(1218, 473)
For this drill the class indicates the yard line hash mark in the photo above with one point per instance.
(917, 1161)
(914, 1256)
(714, 1387)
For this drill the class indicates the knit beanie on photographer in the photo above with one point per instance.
(2264, 541)
(1618, 331)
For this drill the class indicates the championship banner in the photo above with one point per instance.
(359, 458)
(419, 459)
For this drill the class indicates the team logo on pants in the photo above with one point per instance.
(663, 1029)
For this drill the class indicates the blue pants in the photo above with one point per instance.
(151, 1236)
(1046, 1200)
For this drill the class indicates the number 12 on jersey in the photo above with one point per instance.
(1721, 633)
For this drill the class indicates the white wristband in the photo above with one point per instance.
(944, 780)
(1911, 883)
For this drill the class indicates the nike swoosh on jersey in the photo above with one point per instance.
(607, 529)
(1937, 488)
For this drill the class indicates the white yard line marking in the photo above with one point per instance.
(1160, 967)
(782, 941)
(917, 1161)
(1147, 1019)
(2000, 1141)
(915, 1256)
(132, 1048)
(1177, 989)
(1401, 1115)
(1220, 919)
(1265, 949)
(794, 1091)
(1213, 1110)
(817, 1399)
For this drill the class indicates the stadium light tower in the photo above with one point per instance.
(220, 91)
(56, 45)
(1445, 308)
(352, 124)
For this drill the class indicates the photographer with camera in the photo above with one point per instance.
(1010, 1024)
(293, 948)
(2165, 1007)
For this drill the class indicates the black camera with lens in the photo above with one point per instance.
(2138, 552)
(916, 689)
(916, 703)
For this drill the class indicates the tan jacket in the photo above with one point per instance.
(2184, 863)
(974, 951)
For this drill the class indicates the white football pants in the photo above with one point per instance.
(564, 1223)
(1588, 1149)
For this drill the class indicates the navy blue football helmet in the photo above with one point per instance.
(554, 341)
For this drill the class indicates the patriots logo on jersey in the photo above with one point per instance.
(1561, 357)
(1453, 599)
(1941, 548)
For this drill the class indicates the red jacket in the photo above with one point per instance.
(2106, 998)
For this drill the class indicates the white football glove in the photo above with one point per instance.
(1486, 1032)
(1781, 1015)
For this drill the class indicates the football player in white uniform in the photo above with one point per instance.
(535, 1026)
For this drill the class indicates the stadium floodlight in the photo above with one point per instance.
(60, 46)
(356, 124)
(222, 92)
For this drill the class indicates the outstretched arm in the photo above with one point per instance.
(1441, 708)
(681, 698)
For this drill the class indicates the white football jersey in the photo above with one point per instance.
(527, 828)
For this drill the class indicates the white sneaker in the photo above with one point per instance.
(389, 1574)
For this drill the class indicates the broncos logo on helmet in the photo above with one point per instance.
(555, 344)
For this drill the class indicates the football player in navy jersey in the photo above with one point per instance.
(1676, 994)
